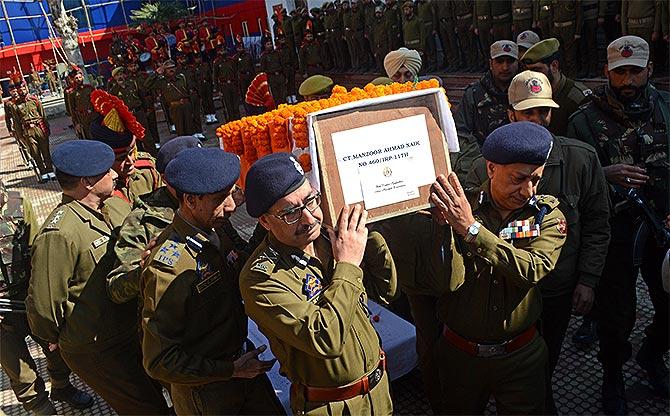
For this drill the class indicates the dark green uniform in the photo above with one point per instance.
(447, 31)
(493, 297)
(194, 325)
(18, 226)
(463, 12)
(587, 43)
(205, 86)
(143, 181)
(245, 70)
(413, 34)
(482, 109)
(309, 330)
(334, 35)
(225, 75)
(567, 21)
(641, 18)
(483, 23)
(81, 110)
(189, 74)
(636, 135)
(310, 58)
(350, 37)
(426, 11)
(130, 93)
(393, 16)
(501, 20)
(369, 17)
(380, 45)
(573, 175)
(67, 305)
(176, 93)
(542, 19)
(149, 100)
(151, 215)
(569, 95)
(522, 16)
(30, 124)
(358, 32)
(275, 65)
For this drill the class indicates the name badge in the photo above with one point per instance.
(100, 241)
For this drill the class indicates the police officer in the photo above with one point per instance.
(290, 60)
(31, 125)
(297, 281)
(569, 94)
(334, 35)
(522, 16)
(379, 38)
(176, 92)
(245, 68)
(128, 90)
(204, 84)
(350, 36)
(573, 175)
(136, 173)
(483, 107)
(463, 10)
(447, 32)
(628, 122)
(542, 20)
(393, 16)
(67, 302)
(588, 57)
(81, 109)
(491, 305)
(139, 77)
(413, 33)
(525, 40)
(316, 87)
(567, 22)
(310, 56)
(151, 214)
(225, 75)
(18, 227)
(427, 13)
(193, 319)
(642, 19)
(275, 64)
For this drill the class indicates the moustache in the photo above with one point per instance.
(306, 229)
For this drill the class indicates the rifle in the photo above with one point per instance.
(658, 227)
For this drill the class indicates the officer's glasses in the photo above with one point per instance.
(294, 214)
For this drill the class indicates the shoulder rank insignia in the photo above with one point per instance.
(207, 276)
(312, 286)
(55, 219)
(519, 229)
(169, 253)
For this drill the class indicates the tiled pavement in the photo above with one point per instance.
(577, 377)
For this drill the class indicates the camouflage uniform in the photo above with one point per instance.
(18, 226)
(635, 135)
(569, 95)
(482, 109)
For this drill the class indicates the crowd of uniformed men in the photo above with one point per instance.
(138, 281)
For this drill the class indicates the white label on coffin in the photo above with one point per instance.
(388, 183)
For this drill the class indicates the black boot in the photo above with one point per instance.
(74, 397)
(586, 335)
(613, 393)
(657, 372)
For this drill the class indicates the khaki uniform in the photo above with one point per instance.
(30, 124)
(573, 175)
(310, 58)
(641, 18)
(149, 102)
(67, 304)
(493, 297)
(334, 35)
(246, 72)
(151, 215)
(176, 93)
(638, 137)
(463, 12)
(81, 109)
(393, 16)
(380, 45)
(447, 31)
(413, 34)
(309, 308)
(52, 80)
(275, 64)
(522, 16)
(567, 21)
(225, 75)
(205, 87)
(426, 11)
(194, 325)
(143, 181)
(18, 226)
(129, 92)
(350, 38)
(482, 109)
(189, 74)
(542, 16)
(569, 95)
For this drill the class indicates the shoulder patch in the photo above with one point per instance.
(265, 262)
(169, 253)
(54, 223)
(548, 201)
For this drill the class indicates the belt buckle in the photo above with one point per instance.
(374, 378)
(490, 350)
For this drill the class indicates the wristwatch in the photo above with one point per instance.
(473, 231)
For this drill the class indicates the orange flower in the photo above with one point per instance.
(305, 161)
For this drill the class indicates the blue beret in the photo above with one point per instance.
(200, 171)
(83, 158)
(170, 149)
(270, 179)
(522, 142)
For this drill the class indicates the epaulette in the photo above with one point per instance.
(577, 94)
(169, 253)
(265, 262)
(549, 201)
(54, 222)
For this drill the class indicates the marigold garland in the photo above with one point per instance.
(285, 128)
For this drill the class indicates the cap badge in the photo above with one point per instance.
(507, 48)
(523, 36)
(297, 166)
(627, 51)
(534, 86)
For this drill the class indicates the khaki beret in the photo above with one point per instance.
(315, 85)
(541, 51)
